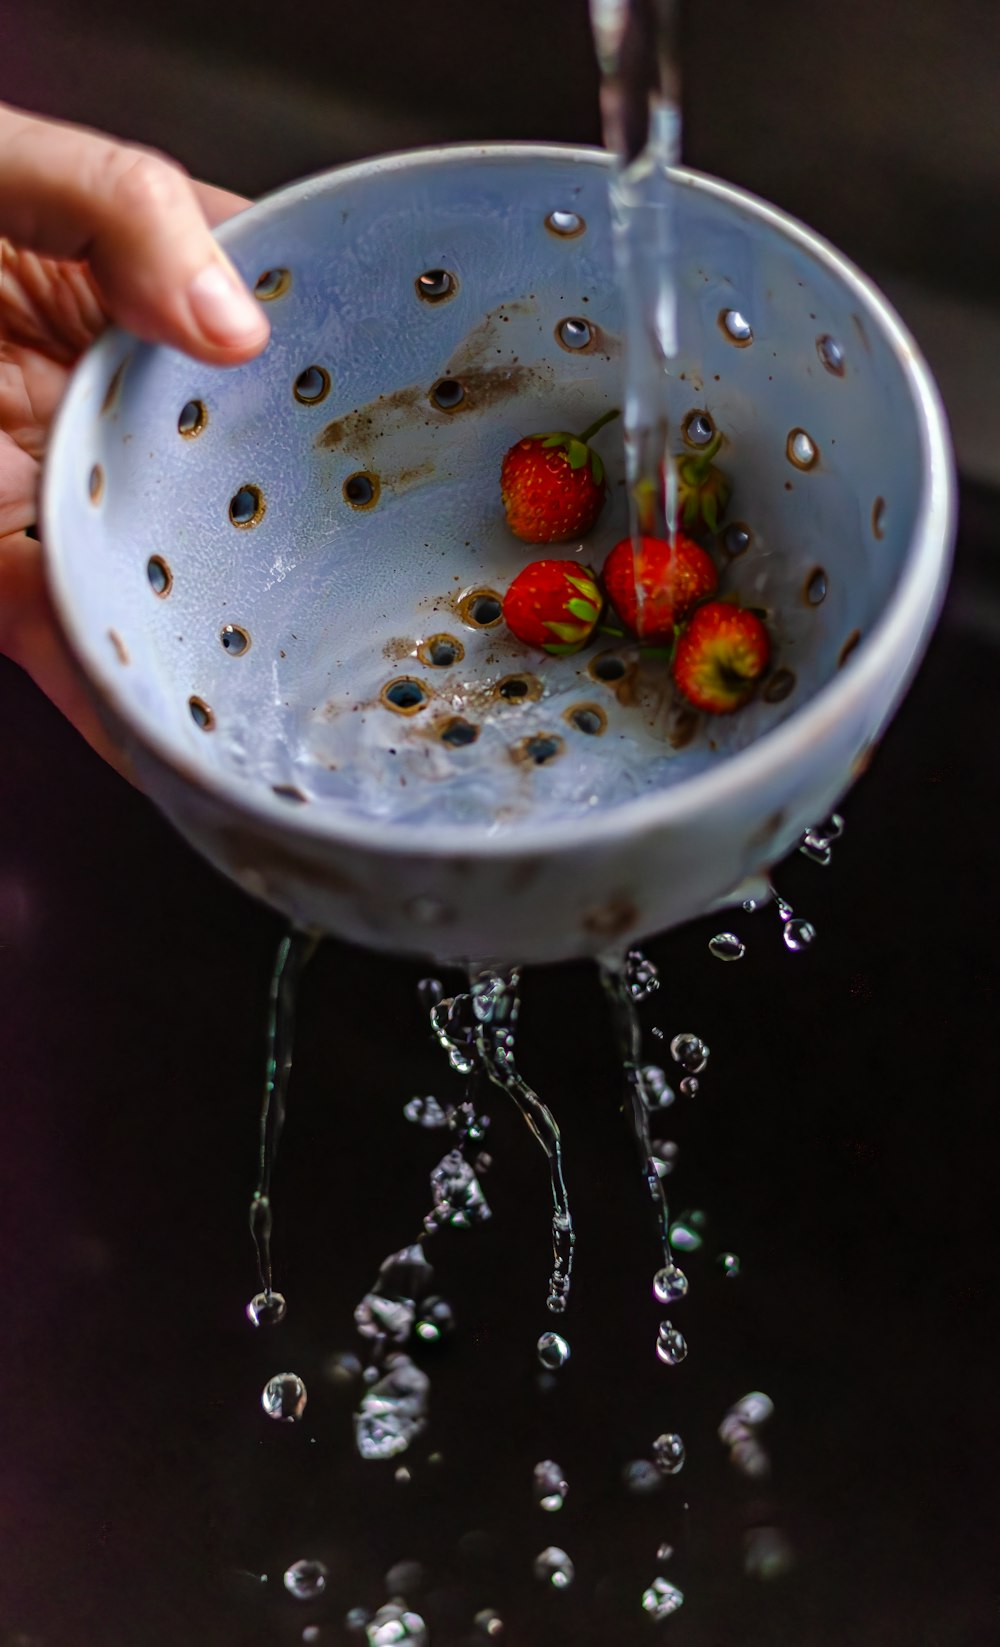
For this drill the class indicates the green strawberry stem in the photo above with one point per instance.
(588, 434)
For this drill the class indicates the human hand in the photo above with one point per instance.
(90, 231)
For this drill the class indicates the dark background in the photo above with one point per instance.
(845, 1140)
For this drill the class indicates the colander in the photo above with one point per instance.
(283, 581)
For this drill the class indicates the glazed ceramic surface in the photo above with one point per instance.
(282, 581)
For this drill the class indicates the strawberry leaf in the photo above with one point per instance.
(577, 453)
(568, 632)
(596, 468)
(710, 511)
(558, 437)
(557, 651)
(584, 610)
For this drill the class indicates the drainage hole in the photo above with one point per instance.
(246, 507)
(587, 717)
(458, 732)
(441, 651)
(405, 695)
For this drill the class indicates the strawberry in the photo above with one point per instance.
(671, 580)
(554, 604)
(553, 485)
(720, 656)
(702, 490)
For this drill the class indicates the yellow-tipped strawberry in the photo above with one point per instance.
(702, 489)
(553, 486)
(554, 605)
(720, 657)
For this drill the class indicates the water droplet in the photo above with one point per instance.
(393, 1410)
(729, 1264)
(798, 934)
(736, 539)
(641, 1477)
(831, 354)
(312, 1632)
(755, 1408)
(642, 978)
(437, 1320)
(664, 1552)
(689, 1086)
(725, 946)
(305, 1580)
(266, 1309)
(671, 1345)
(815, 850)
(664, 1156)
(434, 285)
(690, 1052)
(402, 1476)
(656, 1094)
(662, 1599)
(669, 1454)
(404, 1579)
(284, 1397)
(574, 334)
(553, 1351)
(670, 1284)
(426, 1112)
(459, 1201)
(357, 1619)
(550, 1485)
(768, 1553)
(657, 1033)
(684, 1236)
(737, 326)
(429, 992)
(393, 1624)
(453, 1023)
(555, 1566)
(342, 1368)
(749, 1457)
(489, 1622)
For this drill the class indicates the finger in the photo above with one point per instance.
(218, 204)
(139, 222)
(18, 470)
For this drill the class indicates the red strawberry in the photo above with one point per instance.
(720, 656)
(553, 485)
(702, 490)
(554, 604)
(671, 580)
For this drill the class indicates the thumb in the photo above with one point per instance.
(137, 220)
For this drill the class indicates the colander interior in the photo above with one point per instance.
(290, 573)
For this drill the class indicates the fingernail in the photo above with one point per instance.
(223, 308)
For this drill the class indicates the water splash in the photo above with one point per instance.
(393, 1410)
(294, 952)
(495, 1005)
(645, 1084)
(394, 1624)
(662, 1598)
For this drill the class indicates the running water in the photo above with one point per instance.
(636, 43)
(294, 952)
(645, 1086)
(496, 1002)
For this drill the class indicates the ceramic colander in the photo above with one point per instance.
(283, 581)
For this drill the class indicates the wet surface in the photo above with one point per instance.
(843, 1144)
